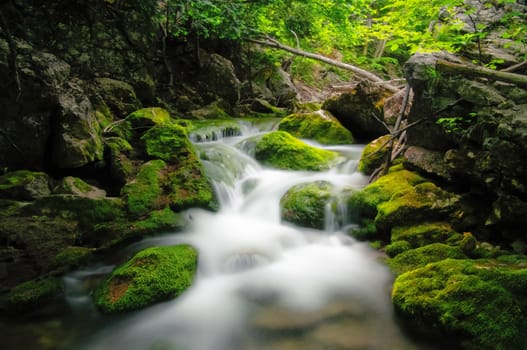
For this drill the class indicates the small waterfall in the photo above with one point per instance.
(261, 283)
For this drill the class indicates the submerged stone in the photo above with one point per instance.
(152, 275)
(281, 150)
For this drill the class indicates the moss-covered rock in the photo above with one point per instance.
(374, 154)
(76, 186)
(24, 185)
(152, 275)
(34, 293)
(145, 118)
(424, 201)
(320, 126)
(415, 258)
(71, 257)
(365, 202)
(119, 96)
(426, 233)
(143, 193)
(305, 204)
(168, 142)
(281, 150)
(477, 304)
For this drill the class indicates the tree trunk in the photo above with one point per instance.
(481, 72)
(360, 72)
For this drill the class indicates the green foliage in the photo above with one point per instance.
(457, 125)
(152, 275)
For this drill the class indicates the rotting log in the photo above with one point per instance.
(447, 67)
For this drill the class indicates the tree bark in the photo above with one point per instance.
(360, 72)
(481, 72)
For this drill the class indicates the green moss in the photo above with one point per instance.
(31, 294)
(72, 257)
(374, 155)
(464, 299)
(87, 211)
(419, 257)
(159, 221)
(281, 150)
(211, 130)
(144, 192)
(366, 231)
(305, 204)
(189, 187)
(167, 142)
(427, 233)
(320, 126)
(155, 115)
(24, 185)
(396, 248)
(152, 275)
(424, 201)
(364, 203)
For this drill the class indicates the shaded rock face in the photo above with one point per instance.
(356, 109)
(479, 146)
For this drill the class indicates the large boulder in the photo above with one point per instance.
(218, 77)
(320, 126)
(152, 275)
(281, 150)
(356, 109)
(118, 95)
(24, 185)
(78, 139)
(28, 104)
(480, 304)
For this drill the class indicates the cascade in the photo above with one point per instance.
(261, 283)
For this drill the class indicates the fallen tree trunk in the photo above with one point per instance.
(360, 72)
(480, 72)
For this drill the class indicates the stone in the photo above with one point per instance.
(119, 96)
(24, 185)
(152, 275)
(319, 126)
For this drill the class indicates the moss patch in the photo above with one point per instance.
(470, 301)
(143, 194)
(152, 275)
(24, 185)
(419, 257)
(365, 202)
(320, 126)
(373, 155)
(167, 142)
(427, 233)
(33, 293)
(304, 204)
(281, 150)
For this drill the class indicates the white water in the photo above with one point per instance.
(263, 284)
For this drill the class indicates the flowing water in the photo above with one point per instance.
(261, 283)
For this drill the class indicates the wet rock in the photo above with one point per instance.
(481, 301)
(374, 155)
(281, 150)
(119, 96)
(305, 204)
(24, 185)
(77, 140)
(76, 186)
(320, 126)
(427, 162)
(355, 109)
(152, 275)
